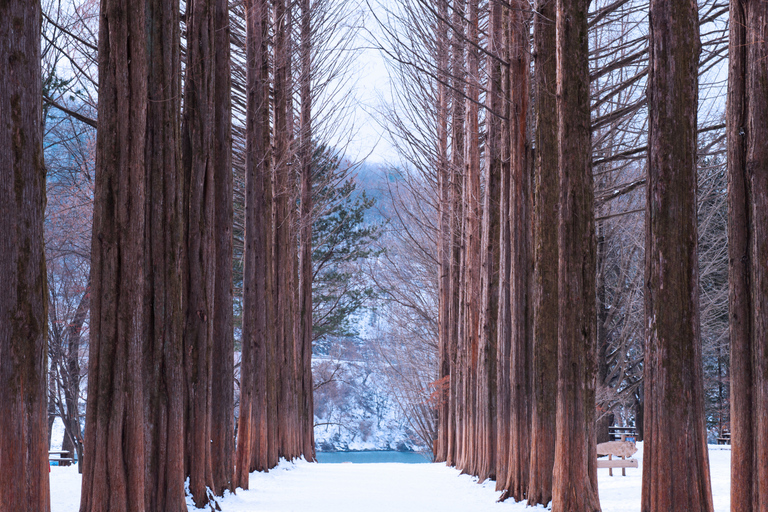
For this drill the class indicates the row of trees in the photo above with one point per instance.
(190, 166)
(528, 337)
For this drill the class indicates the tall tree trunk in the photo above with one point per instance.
(114, 472)
(545, 303)
(164, 295)
(253, 423)
(24, 302)
(72, 372)
(747, 120)
(519, 185)
(307, 407)
(490, 252)
(574, 480)
(472, 235)
(283, 230)
(504, 316)
(456, 452)
(445, 423)
(199, 137)
(674, 393)
(222, 390)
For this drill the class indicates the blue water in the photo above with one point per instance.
(373, 456)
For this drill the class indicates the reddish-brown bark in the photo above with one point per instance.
(545, 305)
(504, 316)
(23, 305)
(199, 137)
(472, 234)
(306, 418)
(253, 423)
(222, 391)
(114, 462)
(164, 259)
(574, 480)
(747, 126)
(674, 394)
(456, 169)
(520, 356)
(442, 386)
(486, 377)
(284, 253)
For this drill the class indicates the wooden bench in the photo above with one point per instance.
(618, 449)
(622, 463)
(61, 458)
(725, 438)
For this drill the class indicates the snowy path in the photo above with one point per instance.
(302, 487)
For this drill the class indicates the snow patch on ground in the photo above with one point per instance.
(300, 486)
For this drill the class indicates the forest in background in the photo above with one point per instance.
(456, 277)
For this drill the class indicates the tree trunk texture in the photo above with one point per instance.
(70, 377)
(284, 264)
(199, 168)
(504, 317)
(165, 259)
(23, 305)
(222, 389)
(114, 472)
(545, 302)
(516, 484)
(747, 120)
(674, 394)
(254, 421)
(458, 72)
(486, 377)
(574, 480)
(443, 385)
(472, 235)
(307, 446)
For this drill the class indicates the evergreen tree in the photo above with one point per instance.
(341, 239)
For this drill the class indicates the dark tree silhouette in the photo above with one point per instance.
(674, 393)
(747, 124)
(574, 481)
(23, 304)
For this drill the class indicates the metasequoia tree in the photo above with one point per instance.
(516, 484)
(23, 322)
(200, 134)
(471, 206)
(674, 402)
(304, 341)
(283, 246)
(545, 283)
(486, 373)
(455, 173)
(114, 472)
(445, 423)
(574, 480)
(254, 424)
(164, 294)
(747, 120)
(222, 361)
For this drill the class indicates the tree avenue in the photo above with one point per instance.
(590, 242)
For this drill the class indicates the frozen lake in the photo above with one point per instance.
(373, 457)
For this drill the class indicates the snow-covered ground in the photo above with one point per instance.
(303, 486)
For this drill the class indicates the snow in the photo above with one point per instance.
(300, 486)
